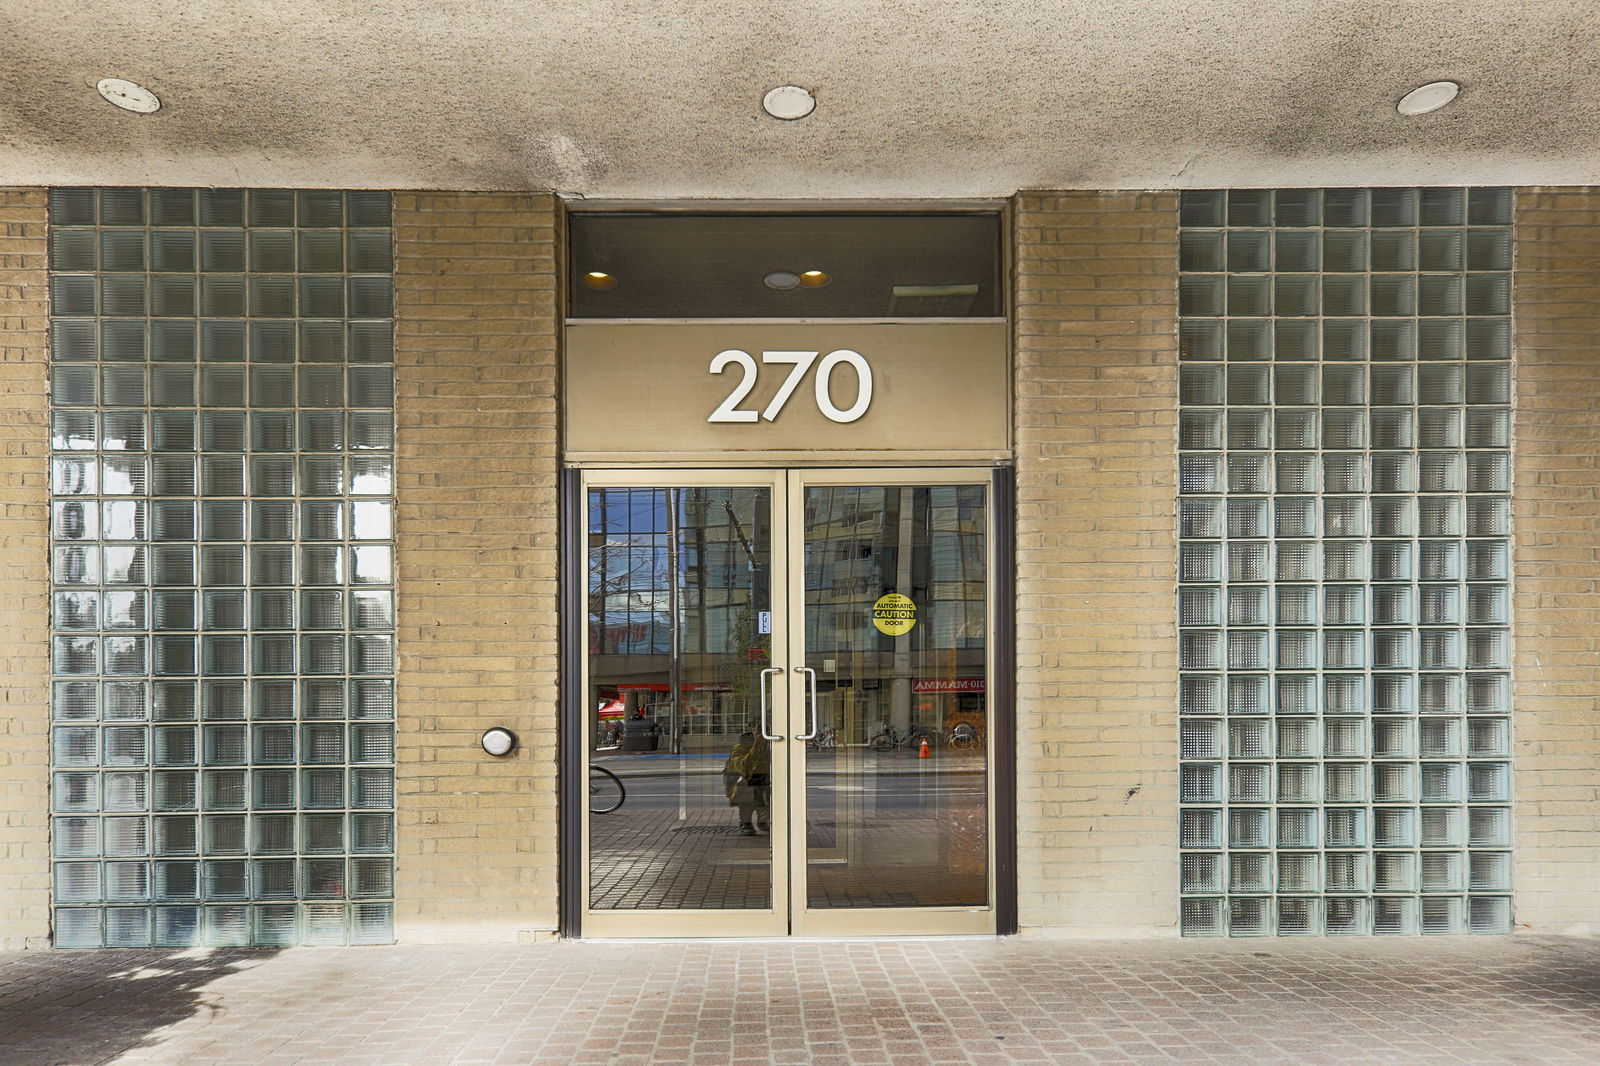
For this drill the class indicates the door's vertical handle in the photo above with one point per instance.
(765, 709)
(811, 709)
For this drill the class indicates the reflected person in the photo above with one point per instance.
(746, 777)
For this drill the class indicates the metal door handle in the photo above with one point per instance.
(812, 681)
(769, 671)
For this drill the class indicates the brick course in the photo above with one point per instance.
(1096, 437)
(475, 410)
(1556, 509)
(24, 571)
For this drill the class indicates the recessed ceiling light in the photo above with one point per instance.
(1426, 98)
(781, 279)
(789, 102)
(128, 96)
(814, 279)
(598, 279)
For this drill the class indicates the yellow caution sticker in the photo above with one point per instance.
(894, 614)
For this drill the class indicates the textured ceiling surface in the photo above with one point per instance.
(915, 98)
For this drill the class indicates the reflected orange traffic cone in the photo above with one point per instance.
(926, 751)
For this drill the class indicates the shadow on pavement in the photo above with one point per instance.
(82, 1008)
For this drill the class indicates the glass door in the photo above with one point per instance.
(891, 589)
(687, 706)
(785, 692)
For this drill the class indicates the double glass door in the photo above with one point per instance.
(787, 719)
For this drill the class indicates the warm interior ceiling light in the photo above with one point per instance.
(598, 279)
(781, 279)
(128, 96)
(789, 102)
(1426, 98)
(814, 279)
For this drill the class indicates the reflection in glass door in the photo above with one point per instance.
(895, 629)
(680, 710)
(750, 631)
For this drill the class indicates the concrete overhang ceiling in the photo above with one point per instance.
(915, 98)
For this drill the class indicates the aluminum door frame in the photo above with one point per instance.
(788, 915)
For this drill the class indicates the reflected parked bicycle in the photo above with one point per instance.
(605, 791)
(891, 738)
(828, 738)
(964, 737)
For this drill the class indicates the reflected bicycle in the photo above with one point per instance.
(828, 738)
(964, 737)
(605, 791)
(891, 738)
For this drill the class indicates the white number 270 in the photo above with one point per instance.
(799, 362)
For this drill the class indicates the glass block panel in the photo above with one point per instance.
(1247, 695)
(1200, 695)
(1489, 914)
(188, 738)
(1203, 917)
(79, 927)
(1298, 827)
(1201, 828)
(275, 925)
(1202, 873)
(372, 833)
(372, 923)
(1443, 915)
(1345, 511)
(177, 926)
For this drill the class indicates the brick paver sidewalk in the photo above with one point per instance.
(1505, 1000)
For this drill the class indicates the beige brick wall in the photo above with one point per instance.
(24, 572)
(475, 407)
(1557, 560)
(1096, 433)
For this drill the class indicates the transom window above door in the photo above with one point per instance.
(833, 265)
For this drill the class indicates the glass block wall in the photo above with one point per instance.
(222, 538)
(1344, 523)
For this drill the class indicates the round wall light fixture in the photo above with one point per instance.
(814, 279)
(128, 95)
(782, 280)
(789, 102)
(598, 279)
(1428, 98)
(498, 741)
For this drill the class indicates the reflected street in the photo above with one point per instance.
(675, 842)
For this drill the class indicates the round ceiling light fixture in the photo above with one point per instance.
(814, 279)
(128, 95)
(1425, 99)
(782, 280)
(789, 102)
(598, 279)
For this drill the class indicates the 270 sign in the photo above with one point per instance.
(800, 363)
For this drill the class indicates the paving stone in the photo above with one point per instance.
(1014, 1002)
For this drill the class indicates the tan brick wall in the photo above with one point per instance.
(1557, 560)
(1096, 434)
(476, 458)
(24, 572)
